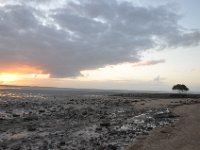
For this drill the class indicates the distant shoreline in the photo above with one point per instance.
(122, 93)
(159, 95)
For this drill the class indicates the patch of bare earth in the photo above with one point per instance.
(183, 135)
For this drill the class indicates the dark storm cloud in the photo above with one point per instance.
(86, 34)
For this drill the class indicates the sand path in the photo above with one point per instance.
(184, 135)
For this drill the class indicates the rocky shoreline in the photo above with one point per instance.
(85, 122)
(76, 122)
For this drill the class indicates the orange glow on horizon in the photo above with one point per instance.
(12, 78)
(21, 69)
(18, 74)
(6, 78)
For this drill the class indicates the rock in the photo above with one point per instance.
(126, 102)
(163, 131)
(3, 146)
(98, 128)
(102, 117)
(149, 128)
(31, 127)
(16, 146)
(30, 118)
(101, 148)
(85, 123)
(104, 124)
(111, 147)
(165, 115)
(145, 133)
(62, 143)
(84, 113)
(16, 115)
(135, 101)
(41, 111)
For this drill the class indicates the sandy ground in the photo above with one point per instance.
(183, 135)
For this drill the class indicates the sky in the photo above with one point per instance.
(101, 44)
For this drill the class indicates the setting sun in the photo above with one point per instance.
(18, 74)
(12, 78)
(6, 77)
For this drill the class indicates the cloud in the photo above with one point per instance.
(64, 39)
(158, 79)
(148, 63)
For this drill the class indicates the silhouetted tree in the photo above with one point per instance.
(180, 87)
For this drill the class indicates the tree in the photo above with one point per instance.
(180, 87)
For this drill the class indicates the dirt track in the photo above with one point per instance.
(184, 135)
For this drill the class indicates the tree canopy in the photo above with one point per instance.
(180, 88)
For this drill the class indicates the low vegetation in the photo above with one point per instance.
(181, 88)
